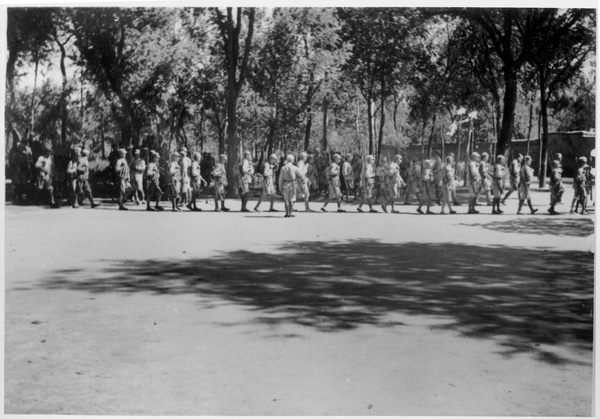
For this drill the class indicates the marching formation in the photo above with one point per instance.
(431, 181)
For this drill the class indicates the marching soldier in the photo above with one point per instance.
(368, 184)
(448, 185)
(524, 184)
(427, 181)
(196, 182)
(174, 181)
(137, 167)
(83, 174)
(579, 180)
(247, 171)
(124, 177)
(348, 175)
(473, 182)
(515, 176)
(152, 176)
(395, 183)
(498, 183)
(556, 186)
(45, 168)
(269, 189)
(486, 178)
(72, 176)
(287, 184)
(303, 183)
(333, 177)
(219, 174)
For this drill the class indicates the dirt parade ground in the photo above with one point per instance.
(144, 313)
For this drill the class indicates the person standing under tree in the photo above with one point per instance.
(287, 184)
(367, 184)
(497, 177)
(448, 185)
(174, 181)
(124, 178)
(556, 186)
(524, 185)
(219, 174)
(83, 174)
(333, 177)
(245, 180)
(395, 183)
(269, 190)
(486, 178)
(152, 176)
(196, 182)
(515, 176)
(72, 177)
(473, 182)
(580, 196)
(302, 188)
(185, 179)
(348, 176)
(428, 190)
(437, 170)
(45, 172)
(137, 167)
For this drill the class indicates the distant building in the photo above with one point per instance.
(571, 145)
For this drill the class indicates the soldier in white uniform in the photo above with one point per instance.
(269, 190)
(524, 185)
(219, 173)
(473, 182)
(395, 183)
(333, 177)
(247, 171)
(367, 184)
(498, 183)
(287, 184)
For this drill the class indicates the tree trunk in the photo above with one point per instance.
(37, 62)
(325, 110)
(307, 130)
(102, 134)
(431, 134)
(544, 141)
(530, 127)
(382, 120)
(64, 116)
(508, 116)
(370, 124)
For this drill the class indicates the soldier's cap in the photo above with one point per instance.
(122, 151)
(223, 156)
(136, 152)
(558, 155)
(47, 147)
(183, 152)
(85, 152)
(426, 162)
(145, 148)
(273, 156)
(370, 157)
(175, 154)
(399, 157)
(527, 158)
(555, 163)
(484, 154)
(475, 154)
(499, 157)
(583, 159)
(290, 158)
(129, 147)
(336, 156)
(197, 155)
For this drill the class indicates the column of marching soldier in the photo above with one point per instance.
(431, 180)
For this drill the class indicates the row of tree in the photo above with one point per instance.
(263, 77)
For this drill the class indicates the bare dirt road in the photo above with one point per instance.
(138, 313)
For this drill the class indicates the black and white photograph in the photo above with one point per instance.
(286, 210)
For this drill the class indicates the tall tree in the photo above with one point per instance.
(236, 63)
(564, 39)
(509, 33)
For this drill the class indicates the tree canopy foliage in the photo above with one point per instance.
(226, 79)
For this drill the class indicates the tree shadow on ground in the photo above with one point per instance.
(535, 225)
(522, 298)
